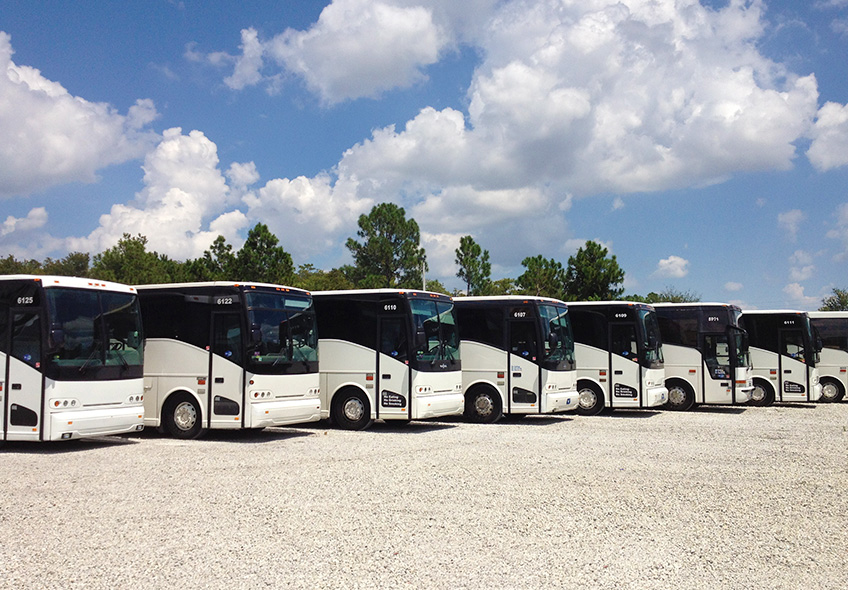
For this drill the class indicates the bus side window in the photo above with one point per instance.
(623, 341)
(26, 337)
(227, 337)
(717, 356)
(522, 340)
(393, 338)
(792, 344)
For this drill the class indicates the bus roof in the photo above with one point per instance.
(772, 311)
(219, 284)
(49, 281)
(399, 292)
(696, 304)
(505, 298)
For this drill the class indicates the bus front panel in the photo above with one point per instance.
(277, 400)
(436, 394)
(112, 407)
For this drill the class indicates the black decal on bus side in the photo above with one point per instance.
(621, 390)
(390, 399)
(792, 387)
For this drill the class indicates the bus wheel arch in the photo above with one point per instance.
(763, 393)
(832, 389)
(681, 396)
(351, 409)
(483, 404)
(182, 416)
(590, 398)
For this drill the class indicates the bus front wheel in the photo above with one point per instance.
(351, 410)
(181, 417)
(590, 400)
(832, 390)
(483, 405)
(680, 396)
(763, 394)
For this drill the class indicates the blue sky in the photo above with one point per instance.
(705, 144)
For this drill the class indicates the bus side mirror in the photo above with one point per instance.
(553, 340)
(420, 339)
(255, 334)
(57, 338)
(652, 341)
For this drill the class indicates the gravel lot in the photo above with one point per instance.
(715, 498)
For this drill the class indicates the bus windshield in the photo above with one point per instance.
(653, 357)
(89, 329)
(282, 330)
(557, 335)
(436, 320)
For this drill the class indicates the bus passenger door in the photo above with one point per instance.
(625, 370)
(22, 387)
(394, 399)
(523, 368)
(226, 383)
(794, 384)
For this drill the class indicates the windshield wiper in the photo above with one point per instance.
(84, 366)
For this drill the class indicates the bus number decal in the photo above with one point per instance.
(26, 300)
(621, 315)
(519, 314)
(712, 318)
(224, 301)
(390, 307)
(788, 322)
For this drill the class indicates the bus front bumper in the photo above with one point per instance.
(438, 405)
(656, 396)
(100, 422)
(283, 412)
(561, 401)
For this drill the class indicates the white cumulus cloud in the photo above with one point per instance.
(790, 222)
(733, 286)
(185, 192)
(49, 137)
(672, 267)
(829, 148)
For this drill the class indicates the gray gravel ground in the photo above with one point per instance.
(715, 498)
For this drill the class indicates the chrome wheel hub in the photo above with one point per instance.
(676, 396)
(588, 398)
(354, 409)
(185, 416)
(483, 405)
(829, 391)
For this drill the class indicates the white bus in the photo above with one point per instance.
(832, 328)
(784, 353)
(706, 354)
(71, 356)
(517, 356)
(387, 354)
(619, 356)
(229, 356)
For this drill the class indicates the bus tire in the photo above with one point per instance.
(681, 396)
(350, 410)
(590, 399)
(483, 405)
(181, 416)
(832, 390)
(763, 394)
